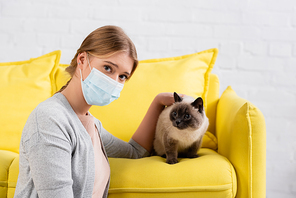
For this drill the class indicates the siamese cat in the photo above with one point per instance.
(180, 129)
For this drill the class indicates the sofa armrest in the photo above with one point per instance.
(241, 134)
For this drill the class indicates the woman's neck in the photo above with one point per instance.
(74, 95)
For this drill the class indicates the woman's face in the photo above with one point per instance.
(118, 66)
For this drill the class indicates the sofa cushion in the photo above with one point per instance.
(210, 175)
(187, 74)
(61, 76)
(13, 176)
(23, 86)
(241, 132)
(6, 159)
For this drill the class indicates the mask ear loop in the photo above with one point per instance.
(88, 61)
(88, 65)
(80, 73)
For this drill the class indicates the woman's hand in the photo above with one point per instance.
(166, 98)
(144, 135)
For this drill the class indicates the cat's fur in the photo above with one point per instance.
(180, 129)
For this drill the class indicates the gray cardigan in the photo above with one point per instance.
(56, 152)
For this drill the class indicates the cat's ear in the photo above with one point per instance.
(198, 104)
(177, 97)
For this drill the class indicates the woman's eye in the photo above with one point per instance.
(107, 68)
(123, 77)
(187, 116)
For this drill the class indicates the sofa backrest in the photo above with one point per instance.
(213, 95)
(52, 77)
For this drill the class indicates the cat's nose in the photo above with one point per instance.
(177, 122)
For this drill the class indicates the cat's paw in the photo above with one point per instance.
(172, 161)
(193, 156)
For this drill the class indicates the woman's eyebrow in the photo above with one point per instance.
(116, 66)
(111, 63)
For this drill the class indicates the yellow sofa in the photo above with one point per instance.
(232, 157)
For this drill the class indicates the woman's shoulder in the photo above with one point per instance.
(55, 105)
(50, 116)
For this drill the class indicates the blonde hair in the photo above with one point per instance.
(103, 43)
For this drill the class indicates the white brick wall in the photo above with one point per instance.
(256, 39)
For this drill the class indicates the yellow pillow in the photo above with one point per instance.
(187, 74)
(61, 76)
(23, 86)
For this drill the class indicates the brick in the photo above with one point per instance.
(283, 6)
(178, 43)
(26, 39)
(294, 187)
(217, 17)
(140, 42)
(158, 44)
(293, 20)
(153, 55)
(190, 30)
(260, 63)
(47, 25)
(266, 18)
(72, 41)
(273, 96)
(226, 62)
(226, 5)
(291, 65)
(19, 53)
(285, 111)
(143, 29)
(170, 14)
(256, 47)
(254, 5)
(44, 40)
(231, 48)
(6, 39)
(244, 78)
(56, 2)
(280, 49)
(278, 34)
(23, 9)
(294, 49)
(89, 25)
(279, 157)
(67, 55)
(9, 24)
(271, 193)
(284, 79)
(116, 14)
(69, 12)
(192, 44)
(237, 32)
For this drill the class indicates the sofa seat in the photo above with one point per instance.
(9, 162)
(210, 175)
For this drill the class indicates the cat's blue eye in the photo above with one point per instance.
(187, 116)
(174, 114)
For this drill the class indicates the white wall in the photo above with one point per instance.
(256, 39)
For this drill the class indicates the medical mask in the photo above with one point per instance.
(99, 89)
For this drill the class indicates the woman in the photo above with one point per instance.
(64, 149)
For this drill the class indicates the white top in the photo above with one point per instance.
(102, 168)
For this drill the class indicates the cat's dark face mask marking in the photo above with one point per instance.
(182, 118)
(185, 115)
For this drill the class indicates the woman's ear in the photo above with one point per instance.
(81, 65)
(82, 60)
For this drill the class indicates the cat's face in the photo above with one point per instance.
(187, 115)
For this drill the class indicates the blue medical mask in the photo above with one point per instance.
(99, 89)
